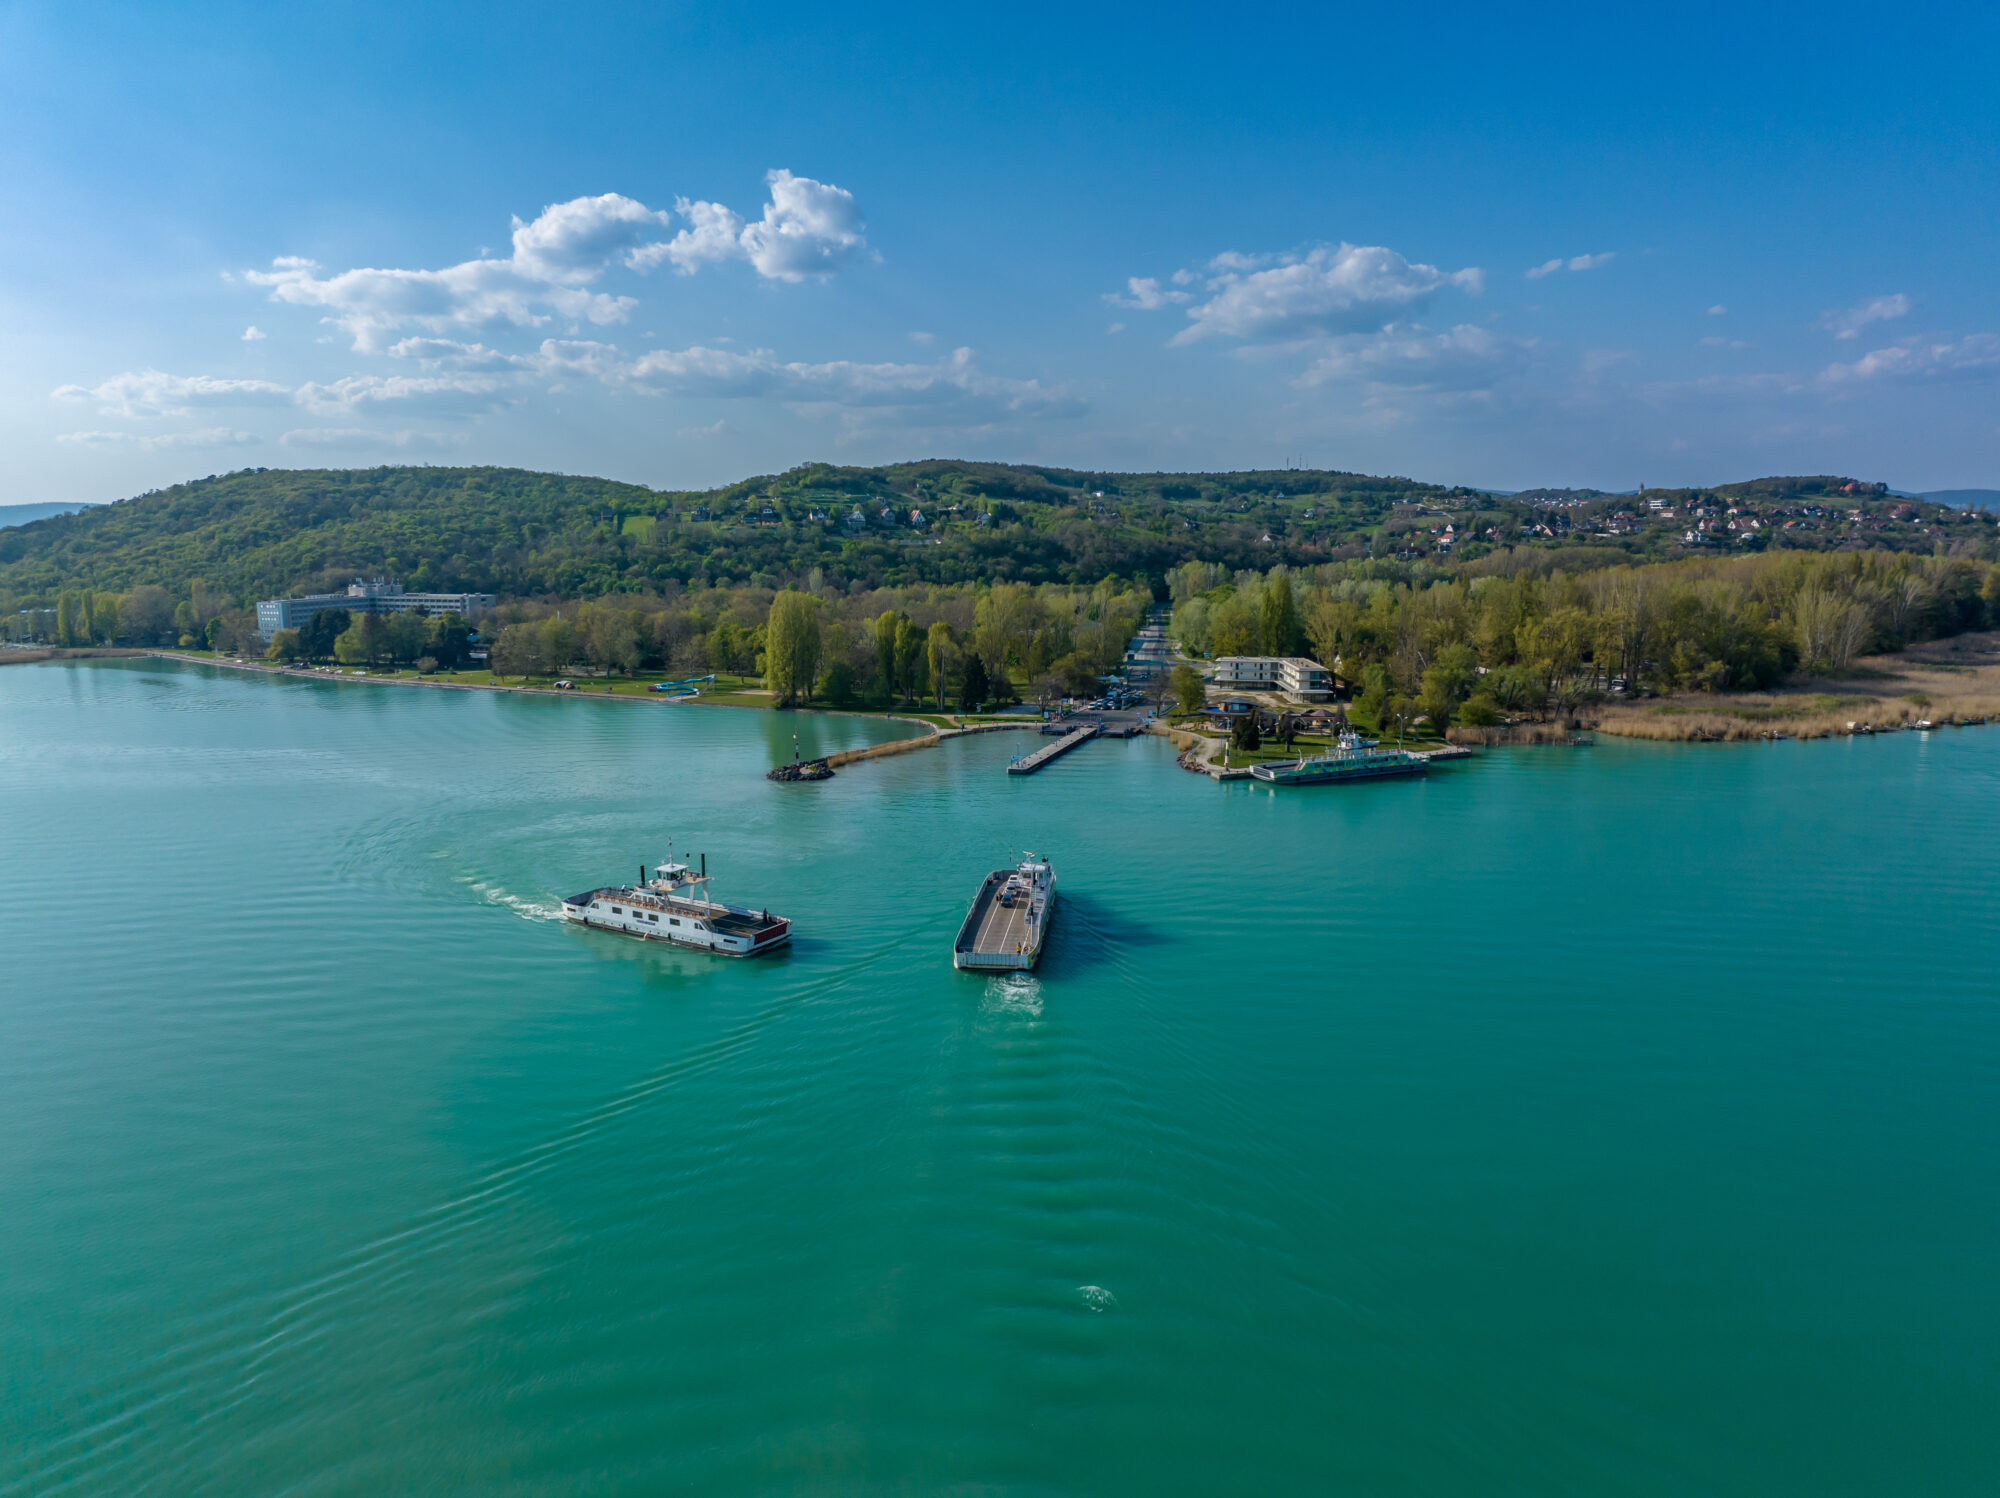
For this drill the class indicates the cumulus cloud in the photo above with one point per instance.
(449, 353)
(573, 243)
(954, 382)
(360, 438)
(1718, 310)
(1463, 358)
(254, 334)
(1575, 262)
(374, 305)
(149, 392)
(1330, 291)
(1976, 356)
(808, 229)
(1848, 322)
(206, 437)
(1147, 295)
(459, 393)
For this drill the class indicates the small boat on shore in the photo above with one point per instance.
(675, 906)
(1008, 923)
(1350, 757)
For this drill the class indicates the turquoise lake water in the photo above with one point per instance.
(1610, 1121)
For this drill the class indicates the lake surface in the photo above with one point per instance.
(1609, 1121)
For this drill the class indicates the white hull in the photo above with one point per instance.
(703, 925)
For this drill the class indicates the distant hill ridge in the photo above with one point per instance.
(24, 514)
(268, 532)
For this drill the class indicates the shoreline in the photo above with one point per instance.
(929, 733)
(1948, 683)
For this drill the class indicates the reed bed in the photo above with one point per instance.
(1955, 681)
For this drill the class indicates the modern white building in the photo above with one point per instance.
(378, 597)
(1273, 673)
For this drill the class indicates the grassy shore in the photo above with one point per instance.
(1944, 681)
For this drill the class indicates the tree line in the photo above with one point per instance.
(883, 647)
(1477, 643)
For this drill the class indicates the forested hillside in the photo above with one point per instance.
(263, 533)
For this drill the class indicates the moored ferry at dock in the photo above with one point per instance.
(1351, 757)
(675, 906)
(1008, 923)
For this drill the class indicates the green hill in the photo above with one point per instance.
(262, 533)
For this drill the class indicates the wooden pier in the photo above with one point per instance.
(1027, 764)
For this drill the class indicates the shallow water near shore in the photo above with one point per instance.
(1610, 1120)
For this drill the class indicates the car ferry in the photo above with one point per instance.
(1351, 757)
(1009, 920)
(675, 906)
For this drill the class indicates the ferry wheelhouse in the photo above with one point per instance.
(1350, 757)
(675, 906)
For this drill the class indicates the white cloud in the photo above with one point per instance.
(1325, 293)
(1716, 342)
(573, 243)
(808, 229)
(1718, 310)
(206, 437)
(954, 383)
(360, 438)
(922, 337)
(1848, 322)
(449, 353)
(459, 393)
(149, 392)
(1147, 295)
(716, 235)
(713, 429)
(1464, 358)
(254, 334)
(372, 305)
(1976, 356)
(1575, 262)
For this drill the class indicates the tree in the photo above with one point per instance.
(558, 641)
(521, 650)
(284, 646)
(104, 618)
(887, 635)
(1243, 733)
(792, 647)
(1188, 689)
(317, 635)
(1373, 702)
(1278, 619)
(910, 642)
(449, 638)
(972, 688)
(146, 617)
(938, 651)
(837, 684)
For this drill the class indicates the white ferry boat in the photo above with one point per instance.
(1009, 920)
(1350, 757)
(675, 906)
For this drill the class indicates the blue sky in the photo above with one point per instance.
(679, 245)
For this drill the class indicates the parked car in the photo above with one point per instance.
(565, 686)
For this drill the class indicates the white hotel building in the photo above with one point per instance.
(274, 614)
(1273, 673)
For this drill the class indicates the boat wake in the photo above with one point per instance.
(528, 910)
(1016, 994)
